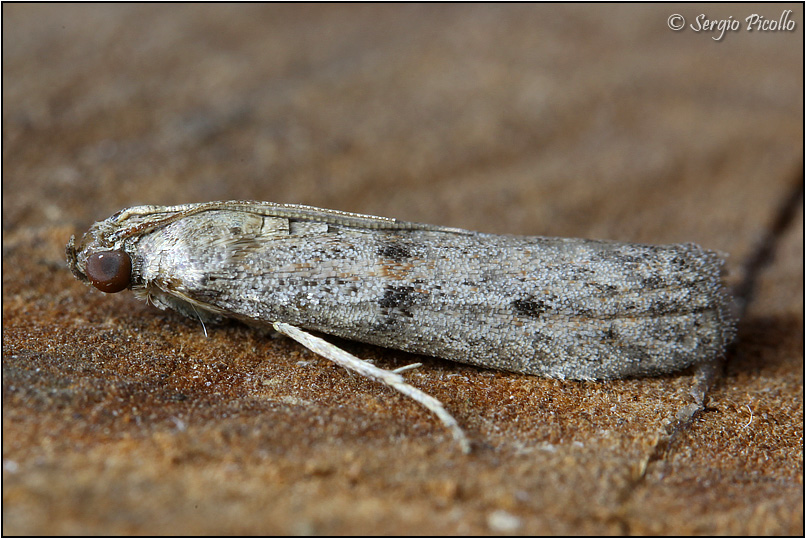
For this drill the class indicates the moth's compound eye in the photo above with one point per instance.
(109, 271)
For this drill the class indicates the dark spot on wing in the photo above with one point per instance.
(661, 307)
(542, 338)
(397, 297)
(679, 263)
(609, 335)
(604, 288)
(529, 307)
(395, 308)
(652, 282)
(394, 250)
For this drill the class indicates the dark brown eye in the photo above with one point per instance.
(109, 271)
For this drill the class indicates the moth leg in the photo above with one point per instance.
(407, 368)
(389, 378)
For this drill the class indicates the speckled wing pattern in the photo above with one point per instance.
(564, 308)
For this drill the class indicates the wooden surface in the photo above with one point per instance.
(569, 120)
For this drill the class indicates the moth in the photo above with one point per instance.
(561, 308)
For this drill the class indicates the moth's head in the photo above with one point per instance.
(107, 270)
(103, 257)
(100, 259)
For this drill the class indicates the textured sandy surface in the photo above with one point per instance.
(558, 120)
